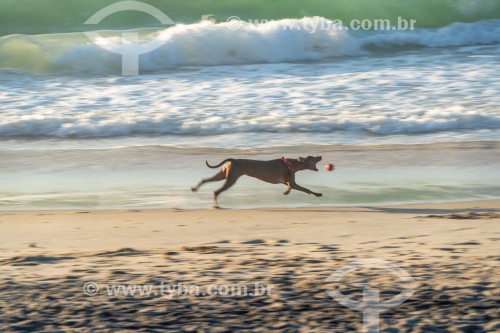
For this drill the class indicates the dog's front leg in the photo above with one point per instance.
(297, 187)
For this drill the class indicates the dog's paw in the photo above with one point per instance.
(318, 194)
(194, 189)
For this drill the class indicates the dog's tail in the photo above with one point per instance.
(221, 163)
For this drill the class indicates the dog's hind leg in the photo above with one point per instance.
(219, 176)
(288, 189)
(230, 181)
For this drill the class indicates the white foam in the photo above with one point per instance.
(209, 44)
(382, 96)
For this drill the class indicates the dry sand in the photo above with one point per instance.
(451, 250)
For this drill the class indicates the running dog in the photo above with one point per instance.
(277, 171)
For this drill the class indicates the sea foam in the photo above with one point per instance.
(211, 44)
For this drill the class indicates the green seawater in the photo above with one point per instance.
(55, 16)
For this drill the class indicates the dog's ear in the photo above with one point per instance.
(301, 160)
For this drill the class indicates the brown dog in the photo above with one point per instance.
(278, 171)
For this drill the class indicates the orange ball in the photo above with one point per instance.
(329, 167)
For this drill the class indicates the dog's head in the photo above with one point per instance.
(309, 162)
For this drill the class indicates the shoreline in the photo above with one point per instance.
(150, 177)
(102, 229)
(451, 205)
(155, 143)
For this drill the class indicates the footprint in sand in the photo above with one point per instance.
(34, 260)
(127, 251)
(465, 216)
(254, 241)
(471, 243)
(206, 249)
(444, 248)
(264, 241)
(369, 242)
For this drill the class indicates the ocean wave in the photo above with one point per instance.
(208, 44)
(89, 126)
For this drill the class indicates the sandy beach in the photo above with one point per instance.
(68, 271)
(111, 113)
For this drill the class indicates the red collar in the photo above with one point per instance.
(290, 169)
(288, 164)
